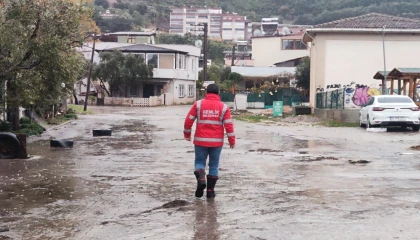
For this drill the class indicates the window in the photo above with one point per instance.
(166, 61)
(293, 45)
(134, 90)
(131, 40)
(181, 91)
(139, 56)
(394, 100)
(192, 64)
(152, 59)
(287, 44)
(371, 101)
(182, 62)
(190, 90)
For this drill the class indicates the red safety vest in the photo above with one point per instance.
(212, 116)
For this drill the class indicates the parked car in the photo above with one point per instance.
(390, 110)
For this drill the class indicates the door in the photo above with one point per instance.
(148, 90)
(365, 110)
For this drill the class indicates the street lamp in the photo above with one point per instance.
(384, 89)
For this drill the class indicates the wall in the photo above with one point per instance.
(175, 85)
(346, 58)
(266, 51)
(339, 115)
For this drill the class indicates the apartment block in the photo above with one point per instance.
(229, 26)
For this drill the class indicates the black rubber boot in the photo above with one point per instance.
(211, 183)
(200, 174)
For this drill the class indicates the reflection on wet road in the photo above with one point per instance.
(281, 182)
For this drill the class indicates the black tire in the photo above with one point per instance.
(61, 143)
(102, 132)
(416, 128)
(362, 125)
(9, 146)
(369, 125)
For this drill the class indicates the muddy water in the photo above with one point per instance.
(280, 182)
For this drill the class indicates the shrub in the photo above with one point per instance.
(5, 126)
(31, 129)
(25, 120)
(71, 116)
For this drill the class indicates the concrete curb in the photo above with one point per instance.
(55, 127)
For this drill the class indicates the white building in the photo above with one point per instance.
(350, 51)
(175, 72)
(229, 26)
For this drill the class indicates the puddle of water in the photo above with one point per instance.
(281, 143)
(42, 179)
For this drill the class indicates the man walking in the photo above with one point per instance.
(212, 116)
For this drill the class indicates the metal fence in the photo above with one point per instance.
(332, 99)
(289, 96)
(227, 97)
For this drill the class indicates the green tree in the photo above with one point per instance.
(303, 73)
(41, 58)
(121, 71)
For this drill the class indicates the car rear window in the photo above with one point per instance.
(394, 100)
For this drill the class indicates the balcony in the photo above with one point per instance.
(174, 74)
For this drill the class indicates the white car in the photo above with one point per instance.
(390, 110)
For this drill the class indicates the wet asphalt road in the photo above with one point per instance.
(283, 181)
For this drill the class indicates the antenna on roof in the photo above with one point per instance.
(257, 33)
(286, 31)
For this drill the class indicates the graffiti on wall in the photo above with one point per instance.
(356, 95)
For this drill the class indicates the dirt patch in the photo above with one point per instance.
(317, 159)
(415, 147)
(180, 204)
(359, 161)
(174, 204)
(262, 150)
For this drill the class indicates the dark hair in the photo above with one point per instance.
(213, 88)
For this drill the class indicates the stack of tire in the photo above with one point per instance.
(9, 145)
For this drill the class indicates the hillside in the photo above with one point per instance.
(289, 11)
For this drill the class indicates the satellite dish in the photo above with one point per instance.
(286, 31)
(257, 33)
(198, 43)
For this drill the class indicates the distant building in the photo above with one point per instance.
(130, 37)
(108, 15)
(274, 50)
(229, 26)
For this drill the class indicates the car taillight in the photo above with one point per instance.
(414, 109)
(378, 109)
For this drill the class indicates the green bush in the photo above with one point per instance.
(5, 126)
(70, 110)
(71, 116)
(25, 120)
(31, 129)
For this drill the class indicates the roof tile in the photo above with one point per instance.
(373, 20)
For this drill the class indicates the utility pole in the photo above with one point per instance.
(384, 89)
(90, 74)
(233, 56)
(205, 45)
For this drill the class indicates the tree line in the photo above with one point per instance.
(137, 14)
